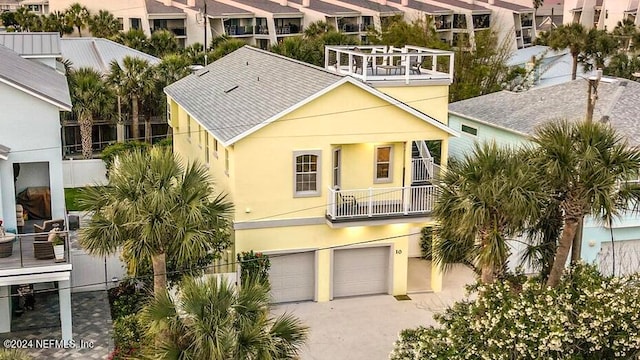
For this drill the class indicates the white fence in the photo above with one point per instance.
(79, 173)
(92, 273)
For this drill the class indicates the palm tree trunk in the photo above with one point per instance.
(576, 248)
(135, 133)
(159, 262)
(574, 66)
(147, 129)
(79, 32)
(86, 127)
(487, 275)
(562, 252)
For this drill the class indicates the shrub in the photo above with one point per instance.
(254, 266)
(126, 299)
(426, 242)
(110, 152)
(127, 337)
(14, 354)
(588, 316)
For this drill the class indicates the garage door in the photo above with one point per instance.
(361, 271)
(292, 277)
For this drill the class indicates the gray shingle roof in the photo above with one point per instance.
(218, 9)
(34, 77)
(426, 8)
(269, 6)
(245, 88)
(156, 7)
(328, 8)
(523, 111)
(462, 5)
(29, 44)
(510, 6)
(373, 5)
(98, 53)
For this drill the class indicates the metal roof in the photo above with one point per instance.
(97, 53)
(245, 88)
(32, 44)
(34, 78)
(522, 112)
(328, 8)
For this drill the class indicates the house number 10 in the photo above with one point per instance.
(398, 252)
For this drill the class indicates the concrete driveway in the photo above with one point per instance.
(366, 327)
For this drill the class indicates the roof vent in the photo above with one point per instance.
(623, 83)
(230, 89)
(203, 73)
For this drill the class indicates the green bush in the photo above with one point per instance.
(126, 299)
(110, 152)
(588, 316)
(127, 337)
(254, 266)
(426, 242)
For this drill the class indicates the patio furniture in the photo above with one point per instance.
(42, 232)
(6, 245)
(43, 250)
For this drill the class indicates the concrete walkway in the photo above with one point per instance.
(366, 327)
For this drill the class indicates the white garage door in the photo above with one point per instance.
(361, 271)
(292, 277)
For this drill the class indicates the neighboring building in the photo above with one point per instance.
(95, 53)
(600, 14)
(316, 158)
(40, 7)
(509, 118)
(31, 98)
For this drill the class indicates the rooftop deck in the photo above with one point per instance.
(387, 63)
(18, 251)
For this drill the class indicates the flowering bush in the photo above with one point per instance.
(588, 316)
(254, 266)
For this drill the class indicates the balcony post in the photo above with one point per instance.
(406, 191)
(370, 210)
(21, 259)
(451, 63)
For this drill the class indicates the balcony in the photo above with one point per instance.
(20, 251)
(261, 30)
(526, 23)
(239, 30)
(387, 63)
(350, 28)
(177, 31)
(444, 25)
(289, 29)
(380, 203)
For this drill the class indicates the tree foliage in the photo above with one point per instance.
(586, 317)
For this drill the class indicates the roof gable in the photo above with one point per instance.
(34, 78)
(97, 53)
(32, 44)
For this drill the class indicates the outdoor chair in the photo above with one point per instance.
(357, 63)
(42, 232)
(43, 250)
(345, 204)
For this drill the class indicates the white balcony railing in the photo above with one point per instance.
(421, 169)
(380, 202)
(388, 63)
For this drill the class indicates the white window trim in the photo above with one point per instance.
(317, 192)
(215, 146)
(207, 155)
(336, 181)
(389, 179)
(468, 134)
(227, 162)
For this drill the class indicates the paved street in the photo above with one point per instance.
(366, 327)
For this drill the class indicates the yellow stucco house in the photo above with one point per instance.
(327, 167)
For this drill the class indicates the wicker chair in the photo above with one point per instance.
(42, 232)
(43, 250)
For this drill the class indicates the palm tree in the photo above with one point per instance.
(211, 319)
(103, 25)
(163, 42)
(488, 196)
(600, 46)
(587, 166)
(625, 31)
(134, 38)
(78, 16)
(572, 36)
(58, 22)
(26, 19)
(90, 96)
(134, 78)
(154, 207)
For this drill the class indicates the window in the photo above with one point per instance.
(306, 173)
(469, 130)
(383, 169)
(215, 147)
(226, 162)
(189, 127)
(120, 24)
(337, 162)
(136, 23)
(206, 147)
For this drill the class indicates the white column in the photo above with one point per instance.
(5, 309)
(64, 294)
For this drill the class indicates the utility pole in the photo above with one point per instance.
(205, 33)
(576, 247)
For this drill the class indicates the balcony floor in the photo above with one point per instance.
(28, 259)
